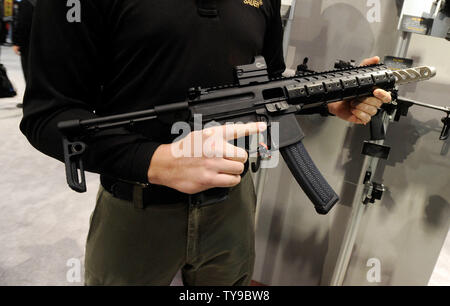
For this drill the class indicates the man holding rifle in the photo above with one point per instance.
(132, 55)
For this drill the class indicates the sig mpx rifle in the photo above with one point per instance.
(255, 97)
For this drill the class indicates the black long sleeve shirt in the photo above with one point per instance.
(130, 55)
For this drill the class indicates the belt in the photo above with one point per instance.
(159, 195)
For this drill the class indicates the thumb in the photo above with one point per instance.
(371, 61)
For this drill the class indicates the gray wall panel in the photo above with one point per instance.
(297, 247)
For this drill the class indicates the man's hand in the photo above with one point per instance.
(361, 111)
(16, 49)
(208, 160)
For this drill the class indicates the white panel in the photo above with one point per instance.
(417, 8)
(286, 2)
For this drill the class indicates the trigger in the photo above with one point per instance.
(263, 154)
(263, 151)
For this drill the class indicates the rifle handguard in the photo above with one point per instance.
(309, 177)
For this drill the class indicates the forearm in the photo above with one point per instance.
(117, 153)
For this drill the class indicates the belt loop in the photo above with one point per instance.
(138, 197)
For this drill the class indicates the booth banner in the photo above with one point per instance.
(8, 8)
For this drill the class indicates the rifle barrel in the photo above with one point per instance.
(412, 75)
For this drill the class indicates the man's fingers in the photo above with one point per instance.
(372, 101)
(367, 108)
(220, 148)
(234, 153)
(225, 180)
(236, 131)
(225, 166)
(370, 61)
(362, 116)
(383, 95)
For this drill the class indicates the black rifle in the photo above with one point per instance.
(256, 98)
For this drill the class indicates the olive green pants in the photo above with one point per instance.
(212, 245)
